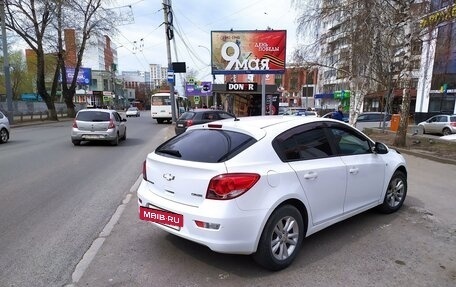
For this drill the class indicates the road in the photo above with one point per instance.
(56, 198)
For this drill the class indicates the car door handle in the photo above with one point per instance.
(311, 175)
(353, 170)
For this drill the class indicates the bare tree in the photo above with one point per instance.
(30, 20)
(373, 31)
(92, 20)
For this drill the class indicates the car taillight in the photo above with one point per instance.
(230, 185)
(111, 124)
(144, 172)
(453, 124)
(214, 126)
(75, 125)
(189, 123)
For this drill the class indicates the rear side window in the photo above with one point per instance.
(453, 119)
(187, 116)
(303, 143)
(226, 116)
(209, 146)
(93, 116)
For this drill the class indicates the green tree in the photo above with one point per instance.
(30, 21)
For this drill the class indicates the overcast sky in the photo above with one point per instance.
(143, 42)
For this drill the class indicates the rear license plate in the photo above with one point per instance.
(161, 216)
(180, 125)
(92, 137)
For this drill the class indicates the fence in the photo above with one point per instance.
(35, 111)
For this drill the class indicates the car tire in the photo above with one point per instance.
(395, 193)
(446, 131)
(115, 141)
(281, 238)
(76, 142)
(4, 136)
(124, 137)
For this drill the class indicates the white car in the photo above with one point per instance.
(260, 185)
(4, 128)
(132, 112)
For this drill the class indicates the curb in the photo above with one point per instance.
(425, 156)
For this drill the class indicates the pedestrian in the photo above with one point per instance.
(338, 115)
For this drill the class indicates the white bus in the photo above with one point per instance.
(160, 106)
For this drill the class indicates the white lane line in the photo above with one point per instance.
(90, 254)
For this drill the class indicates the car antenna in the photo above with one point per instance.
(235, 118)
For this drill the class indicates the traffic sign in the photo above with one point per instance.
(170, 76)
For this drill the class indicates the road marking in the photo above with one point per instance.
(90, 254)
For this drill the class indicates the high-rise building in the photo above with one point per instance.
(158, 75)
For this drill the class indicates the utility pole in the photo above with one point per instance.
(169, 33)
(6, 67)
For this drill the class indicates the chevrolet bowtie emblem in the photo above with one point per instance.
(168, 176)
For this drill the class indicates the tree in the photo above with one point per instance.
(373, 31)
(89, 19)
(30, 20)
(20, 77)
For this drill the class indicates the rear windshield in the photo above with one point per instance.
(209, 146)
(132, 109)
(93, 116)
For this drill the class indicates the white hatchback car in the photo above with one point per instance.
(259, 185)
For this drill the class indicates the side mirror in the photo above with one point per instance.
(380, 148)
(124, 120)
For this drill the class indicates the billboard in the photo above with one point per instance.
(84, 76)
(248, 52)
(198, 89)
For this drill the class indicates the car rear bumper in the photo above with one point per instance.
(239, 230)
(93, 136)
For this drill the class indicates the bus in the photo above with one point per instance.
(160, 106)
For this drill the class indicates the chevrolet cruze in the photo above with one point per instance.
(260, 185)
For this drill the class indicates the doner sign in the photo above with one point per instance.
(248, 52)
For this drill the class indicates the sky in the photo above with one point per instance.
(142, 41)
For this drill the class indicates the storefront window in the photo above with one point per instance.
(442, 103)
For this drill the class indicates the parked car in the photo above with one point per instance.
(259, 185)
(98, 125)
(4, 128)
(202, 116)
(330, 114)
(132, 112)
(306, 113)
(439, 124)
(372, 120)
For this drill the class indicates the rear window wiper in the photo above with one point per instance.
(173, 152)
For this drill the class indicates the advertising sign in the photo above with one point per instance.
(248, 52)
(198, 89)
(84, 76)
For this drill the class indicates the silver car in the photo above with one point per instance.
(372, 120)
(98, 125)
(4, 128)
(439, 124)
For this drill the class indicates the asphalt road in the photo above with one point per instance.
(55, 198)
